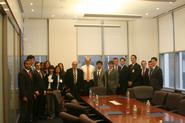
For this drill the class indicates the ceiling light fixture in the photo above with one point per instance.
(32, 10)
(31, 4)
(2, 3)
(6, 9)
(170, 2)
(113, 15)
(146, 13)
(157, 8)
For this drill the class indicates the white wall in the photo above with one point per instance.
(35, 37)
(14, 6)
(62, 42)
(143, 38)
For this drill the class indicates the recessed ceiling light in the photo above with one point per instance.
(170, 2)
(157, 8)
(3, 3)
(31, 4)
(32, 10)
(6, 9)
(146, 13)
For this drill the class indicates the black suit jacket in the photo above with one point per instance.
(145, 77)
(135, 74)
(124, 76)
(69, 80)
(47, 82)
(156, 78)
(26, 85)
(61, 82)
(39, 83)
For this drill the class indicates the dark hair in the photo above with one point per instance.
(154, 58)
(56, 68)
(99, 62)
(111, 62)
(37, 62)
(26, 61)
(122, 58)
(51, 67)
(134, 56)
(115, 58)
(30, 57)
(45, 64)
(150, 61)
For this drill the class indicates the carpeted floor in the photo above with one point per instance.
(55, 120)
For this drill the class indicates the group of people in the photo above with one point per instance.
(42, 86)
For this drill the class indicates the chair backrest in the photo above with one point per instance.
(159, 97)
(181, 109)
(75, 109)
(99, 90)
(84, 119)
(68, 118)
(173, 101)
(143, 92)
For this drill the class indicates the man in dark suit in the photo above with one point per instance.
(156, 78)
(26, 92)
(123, 77)
(39, 87)
(144, 73)
(111, 77)
(134, 72)
(99, 75)
(74, 80)
(116, 64)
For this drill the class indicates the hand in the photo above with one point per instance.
(129, 83)
(25, 99)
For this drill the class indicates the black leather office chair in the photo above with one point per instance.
(159, 98)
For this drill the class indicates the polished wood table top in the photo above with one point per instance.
(123, 111)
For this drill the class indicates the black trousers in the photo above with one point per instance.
(87, 86)
(26, 111)
(39, 107)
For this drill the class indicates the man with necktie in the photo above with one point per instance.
(88, 70)
(99, 75)
(74, 80)
(144, 73)
(156, 78)
(26, 92)
(123, 77)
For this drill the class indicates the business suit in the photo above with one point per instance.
(135, 74)
(58, 83)
(145, 77)
(39, 103)
(26, 89)
(118, 68)
(77, 88)
(99, 80)
(123, 79)
(156, 78)
(111, 78)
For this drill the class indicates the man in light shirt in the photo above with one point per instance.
(88, 70)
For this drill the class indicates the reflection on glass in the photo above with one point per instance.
(167, 65)
(11, 75)
(180, 70)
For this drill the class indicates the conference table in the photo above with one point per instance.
(119, 109)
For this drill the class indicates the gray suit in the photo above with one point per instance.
(99, 80)
(156, 78)
(112, 81)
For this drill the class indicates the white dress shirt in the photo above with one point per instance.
(91, 71)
